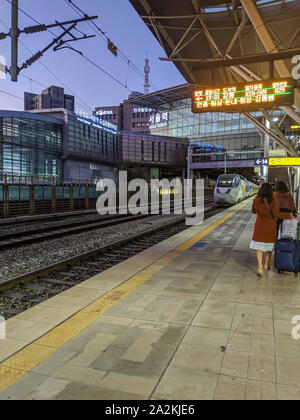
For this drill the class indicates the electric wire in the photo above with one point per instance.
(81, 101)
(80, 52)
(104, 37)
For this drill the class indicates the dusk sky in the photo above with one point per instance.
(121, 23)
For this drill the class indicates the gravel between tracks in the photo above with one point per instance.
(6, 230)
(31, 257)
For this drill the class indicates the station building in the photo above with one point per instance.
(128, 117)
(217, 140)
(63, 145)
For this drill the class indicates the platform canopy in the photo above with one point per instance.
(219, 42)
(195, 33)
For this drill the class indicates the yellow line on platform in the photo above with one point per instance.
(18, 365)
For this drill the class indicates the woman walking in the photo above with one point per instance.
(265, 231)
(285, 200)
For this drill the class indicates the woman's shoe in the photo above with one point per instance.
(260, 272)
(268, 268)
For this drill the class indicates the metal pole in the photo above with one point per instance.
(14, 33)
(267, 150)
(188, 162)
(225, 163)
(189, 168)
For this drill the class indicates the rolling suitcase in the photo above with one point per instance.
(287, 256)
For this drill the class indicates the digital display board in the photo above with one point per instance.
(244, 96)
(291, 161)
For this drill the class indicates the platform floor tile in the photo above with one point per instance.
(195, 323)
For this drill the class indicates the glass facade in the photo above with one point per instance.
(30, 147)
(229, 131)
(86, 138)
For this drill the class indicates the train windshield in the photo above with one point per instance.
(226, 181)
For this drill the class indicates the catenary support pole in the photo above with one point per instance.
(14, 40)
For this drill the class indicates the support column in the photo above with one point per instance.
(266, 152)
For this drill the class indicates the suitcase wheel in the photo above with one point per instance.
(279, 271)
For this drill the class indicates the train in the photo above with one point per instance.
(231, 189)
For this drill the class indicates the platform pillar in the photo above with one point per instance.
(266, 151)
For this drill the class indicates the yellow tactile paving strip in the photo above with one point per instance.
(18, 365)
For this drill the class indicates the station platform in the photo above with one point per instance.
(187, 319)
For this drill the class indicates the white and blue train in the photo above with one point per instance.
(231, 189)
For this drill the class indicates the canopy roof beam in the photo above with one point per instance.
(283, 142)
(166, 37)
(183, 37)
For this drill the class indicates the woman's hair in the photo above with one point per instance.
(282, 188)
(266, 191)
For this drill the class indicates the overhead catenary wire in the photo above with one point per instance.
(103, 35)
(81, 101)
(11, 94)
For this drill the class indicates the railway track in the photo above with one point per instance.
(27, 290)
(34, 235)
(16, 239)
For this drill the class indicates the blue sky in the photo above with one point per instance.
(124, 27)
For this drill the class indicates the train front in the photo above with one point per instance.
(227, 190)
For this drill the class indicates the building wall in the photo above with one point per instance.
(228, 130)
(52, 97)
(94, 147)
(136, 119)
(154, 150)
(30, 146)
(215, 128)
(112, 114)
(127, 117)
(77, 170)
